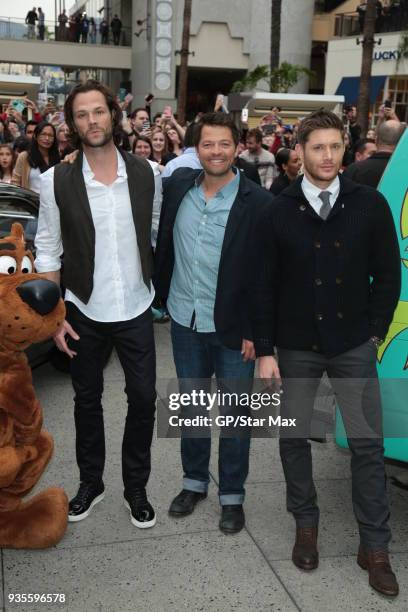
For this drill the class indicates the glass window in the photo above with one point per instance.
(15, 211)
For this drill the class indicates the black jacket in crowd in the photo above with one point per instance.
(249, 169)
(369, 171)
(232, 303)
(325, 286)
(279, 184)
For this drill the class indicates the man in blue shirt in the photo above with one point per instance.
(203, 271)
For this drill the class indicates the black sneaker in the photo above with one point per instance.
(142, 514)
(81, 505)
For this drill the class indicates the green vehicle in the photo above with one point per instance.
(392, 355)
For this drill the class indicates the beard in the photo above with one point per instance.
(104, 138)
(211, 171)
(314, 174)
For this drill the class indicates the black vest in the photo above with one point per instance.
(77, 228)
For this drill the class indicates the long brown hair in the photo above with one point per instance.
(13, 158)
(114, 108)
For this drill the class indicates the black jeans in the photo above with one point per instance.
(353, 376)
(134, 343)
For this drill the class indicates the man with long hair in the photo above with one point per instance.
(98, 212)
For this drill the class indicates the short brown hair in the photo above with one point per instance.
(216, 119)
(255, 133)
(114, 108)
(319, 120)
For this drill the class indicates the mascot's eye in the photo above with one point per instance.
(8, 265)
(26, 265)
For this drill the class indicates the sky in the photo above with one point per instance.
(19, 8)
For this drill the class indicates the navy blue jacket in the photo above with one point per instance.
(231, 311)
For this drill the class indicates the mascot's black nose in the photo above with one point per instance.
(40, 294)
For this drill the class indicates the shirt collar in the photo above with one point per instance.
(312, 191)
(225, 191)
(88, 174)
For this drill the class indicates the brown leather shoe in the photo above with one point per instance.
(304, 554)
(380, 575)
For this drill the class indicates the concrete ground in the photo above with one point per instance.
(104, 564)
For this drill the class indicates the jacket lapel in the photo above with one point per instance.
(234, 218)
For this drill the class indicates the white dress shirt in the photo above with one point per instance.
(34, 179)
(119, 293)
(311, 193)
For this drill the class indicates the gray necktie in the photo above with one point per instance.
(325, 207)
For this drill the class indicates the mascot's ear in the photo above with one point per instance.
(17, 232)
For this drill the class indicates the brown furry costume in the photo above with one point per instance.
(30, 311)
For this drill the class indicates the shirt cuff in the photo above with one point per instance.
(46, 263)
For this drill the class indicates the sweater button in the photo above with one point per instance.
(315, 348)
(302, 207)
(336, 244)
(338, 280)
(340, 315)
(319, 317)
(318, 282)
(317, 244)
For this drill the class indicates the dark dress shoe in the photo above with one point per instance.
(380, 575)
(232, 519)
(304, 554)
(185, 502)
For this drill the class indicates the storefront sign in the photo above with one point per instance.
(388, 55)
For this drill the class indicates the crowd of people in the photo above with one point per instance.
(266, 154)
(76, 28)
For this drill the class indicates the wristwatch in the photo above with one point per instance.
(377, 341)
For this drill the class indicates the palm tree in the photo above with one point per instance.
(363, 104)
(183, 72)
(276, 11)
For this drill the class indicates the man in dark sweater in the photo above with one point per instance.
(370, 171)
(328, 284)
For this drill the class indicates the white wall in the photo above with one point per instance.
(296, 36)
(344, 59)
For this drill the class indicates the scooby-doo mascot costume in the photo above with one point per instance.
(30, 311)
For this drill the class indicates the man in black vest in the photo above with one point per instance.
(328, 285)
(98, 213)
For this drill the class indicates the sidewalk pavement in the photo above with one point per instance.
(104, 564)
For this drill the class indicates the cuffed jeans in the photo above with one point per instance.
(359, 402)
(199, 356)
(134, 343)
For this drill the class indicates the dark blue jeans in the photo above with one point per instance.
(199, 356)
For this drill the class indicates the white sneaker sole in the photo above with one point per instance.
(145, 524)
(84, 515)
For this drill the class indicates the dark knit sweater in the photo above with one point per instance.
(329, 285)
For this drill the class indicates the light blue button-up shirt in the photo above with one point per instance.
(198, 236)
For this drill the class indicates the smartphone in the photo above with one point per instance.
(244, 115)
(387, 104)
(146, 125)
(149, 97)
(167, 111)
(122, 94)
(18, 105)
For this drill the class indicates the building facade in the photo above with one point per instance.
(226, 39)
